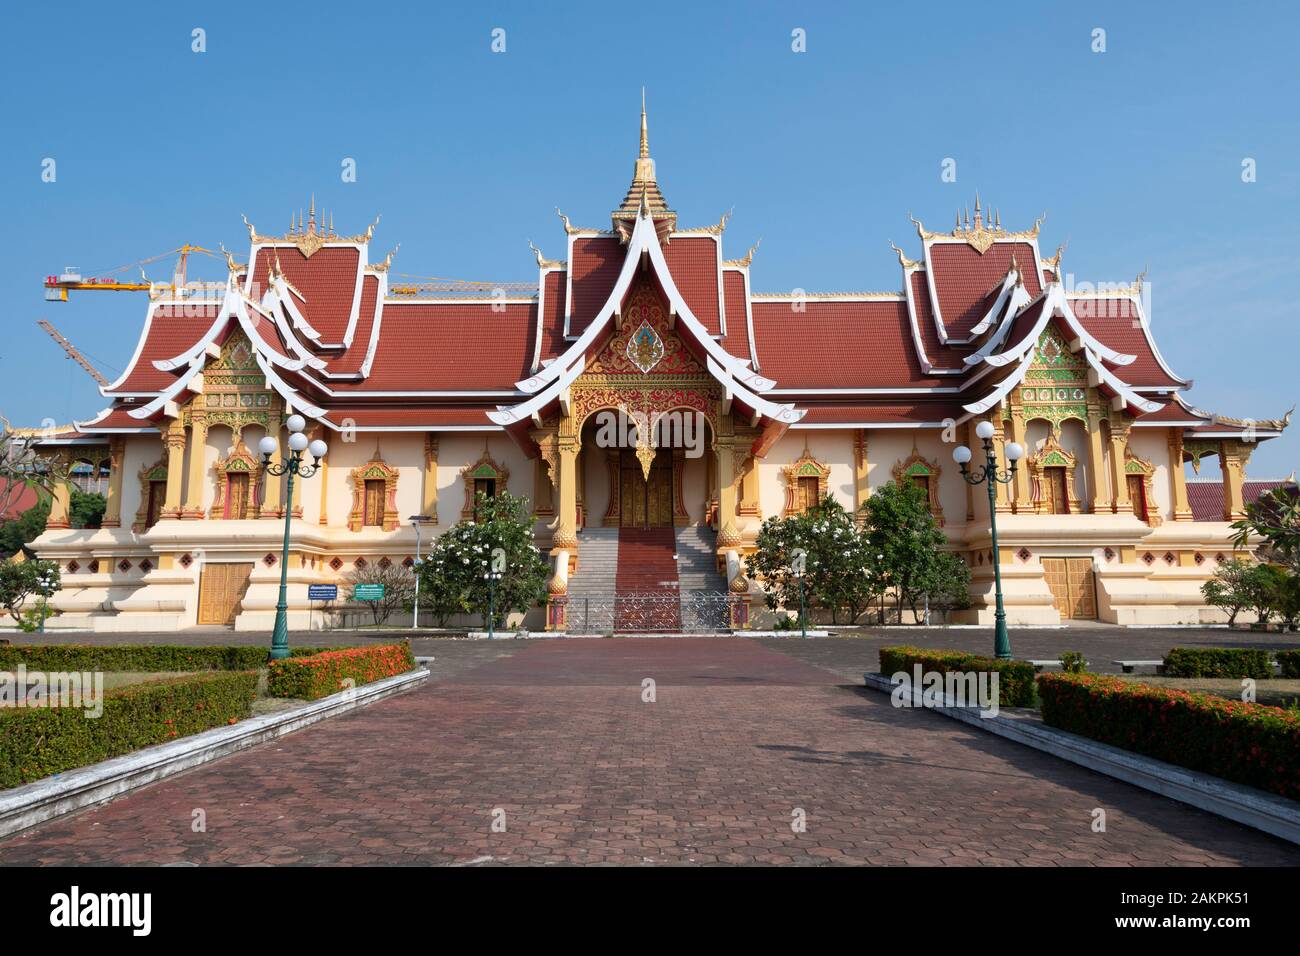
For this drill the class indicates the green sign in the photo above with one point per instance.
(368, 592)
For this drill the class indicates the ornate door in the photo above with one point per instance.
(646, 504)
(1055, 499)
(221, 589)
(1073, 588)
(237, 496)
(1137, 493)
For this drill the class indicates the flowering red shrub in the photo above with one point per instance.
(1247, 743)
(320, 675)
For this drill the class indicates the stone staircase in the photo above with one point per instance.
(698, 578)
(592, 587)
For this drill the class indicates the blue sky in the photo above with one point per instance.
(1135, 153)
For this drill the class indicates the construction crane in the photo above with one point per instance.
(73, 354)
(58, 286)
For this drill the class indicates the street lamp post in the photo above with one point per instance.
(291, 466)
(492, 577)
(991, 475)
(47, 588)
(416, 521)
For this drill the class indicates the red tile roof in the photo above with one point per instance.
(327, 280)
(1115, 321)
(1206, 497)
(463, 346)
(693, 263)
(835, 413)
(171, 330)
(838, 344)
(593, 270)
(737, 339)
(963, 279)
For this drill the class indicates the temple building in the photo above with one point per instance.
(743, 405)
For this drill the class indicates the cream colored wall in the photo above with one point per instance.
(457, 450)
(1153, 445)
(140, 452)
(831, 448)
(1074, 439)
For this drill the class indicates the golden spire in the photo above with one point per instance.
(645, 136)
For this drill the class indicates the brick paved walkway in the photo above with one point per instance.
(554, 738)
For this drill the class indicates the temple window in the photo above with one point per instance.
(153, 494)
(924, 474)
(237, 475)
(484, 477)
(1138, 477)
(374, 495)
(807, 484)
(1052, 473)
(1056, 500)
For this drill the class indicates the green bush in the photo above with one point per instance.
(1073, 662)
(319, 675)
(1218, 662)
(1247, 743)
(1015, 678)
(138, 657)
(1290, 661)
(35, 743)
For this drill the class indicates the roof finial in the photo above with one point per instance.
(311, 223)
(645, 136)
(979, 219)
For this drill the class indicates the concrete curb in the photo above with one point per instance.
(1254, 808)
(37, 802)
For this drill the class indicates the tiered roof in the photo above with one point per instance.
(343, 346)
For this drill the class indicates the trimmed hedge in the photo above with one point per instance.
(138, 657)
(35, 743)
(1246, 743)
(1218, 662)
(1015, 678)
(319, 675)
(1290, 661)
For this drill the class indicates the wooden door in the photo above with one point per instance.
(374, 504)
(809, 492)
(1137, 492)
(1074, 591)
(221, 589)
(646, 504)
(237, 496)
(1054, 498)
(157, 495)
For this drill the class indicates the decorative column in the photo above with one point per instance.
(564, 540)
(1233, 457)
(61, 499)
(1121, 503)
(1182, 509)
(728, 535)
(197, 446)
(174, 439)
(429, 494)
(1021, 495)
(273, 489)
(113, 500)
(1096, 464)
(861, 489)
(1003, 493)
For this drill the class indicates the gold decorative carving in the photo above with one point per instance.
(805, 466)
(376, 469)
(917, 466)
(1134, 465)
(744, 261)
(240, 461)
(1052, 455)
(981, 235)
(148, 473)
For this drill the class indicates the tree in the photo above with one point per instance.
(20, 580)
(27, 527)
(837, 562)
(1265, 587)
(1275, 517)
(1227, 590)
(86, 509)
(1289, 606)
(23, 464)
(398, 582)
(905, 539)
(945, 584)
(454, 574)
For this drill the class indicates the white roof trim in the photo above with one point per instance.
(644, 239)
(511, 414)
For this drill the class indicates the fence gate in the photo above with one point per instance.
(666, 612)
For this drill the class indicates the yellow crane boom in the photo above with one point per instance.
(73, 354)
(58, 286)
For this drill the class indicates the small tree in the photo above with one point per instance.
(24, 464)
(1275, 517)
(27, 527)
(1289, 607)
(86, 509)
(945, 584)
(1227, 589)
(455, 571)
(398, 582)
(1265, 586)
(20, 580)
(837, 562)
(906, 539)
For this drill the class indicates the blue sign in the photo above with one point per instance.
(322, 592)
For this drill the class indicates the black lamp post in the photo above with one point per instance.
(991, 475)
(46, 582)
(291, 466)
